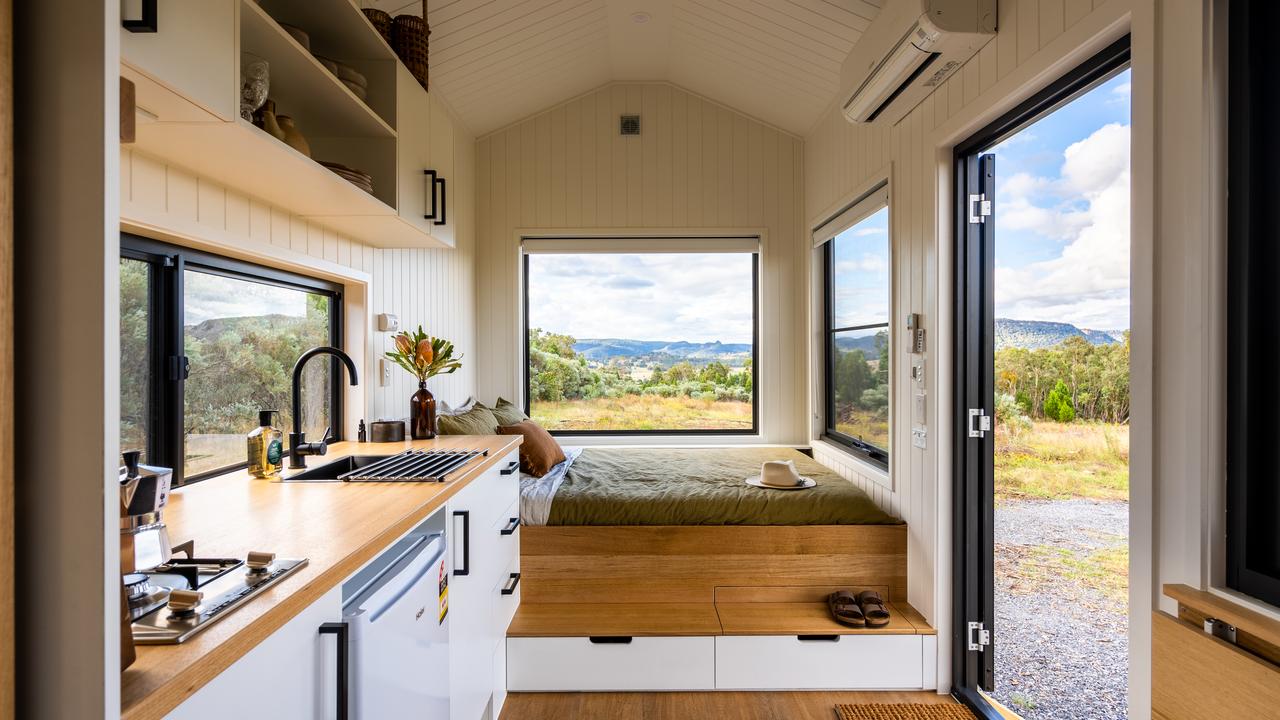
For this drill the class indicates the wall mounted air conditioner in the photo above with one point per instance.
(909, 49)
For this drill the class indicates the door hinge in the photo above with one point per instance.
(179, 368)
(979, 423)
(979, 636)
(979, 208)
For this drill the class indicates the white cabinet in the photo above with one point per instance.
(291, 675)
(583, 664)
(821, 662)
(484, 588)
(187, 70)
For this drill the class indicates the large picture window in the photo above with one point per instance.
(205, 343)
(621, 341)
(856, 270)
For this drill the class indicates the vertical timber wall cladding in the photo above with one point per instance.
(433, 288)
(696, 166)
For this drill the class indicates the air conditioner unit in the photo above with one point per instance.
(908, 50)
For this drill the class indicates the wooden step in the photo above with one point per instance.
(810, 618)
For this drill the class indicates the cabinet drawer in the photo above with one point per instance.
(847, 662)
(581, 664)
(506, 599)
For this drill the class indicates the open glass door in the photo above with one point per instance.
(1041, 401)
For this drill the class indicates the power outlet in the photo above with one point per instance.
(384, 372)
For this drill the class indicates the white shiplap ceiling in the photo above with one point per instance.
(497, 61)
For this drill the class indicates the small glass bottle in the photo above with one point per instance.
(266, 447)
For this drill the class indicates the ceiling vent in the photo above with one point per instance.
(629, 124)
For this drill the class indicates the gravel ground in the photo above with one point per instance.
(1061, 637)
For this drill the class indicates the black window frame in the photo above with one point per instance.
(755, 358)
(167, 362)
(1252, 336)
(859, 448)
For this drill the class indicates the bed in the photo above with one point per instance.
(660, 525)
(688, 486)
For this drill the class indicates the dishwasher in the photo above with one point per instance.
(399, 634)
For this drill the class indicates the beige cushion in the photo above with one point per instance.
(508, 413)
(479, 420)
(540, 452)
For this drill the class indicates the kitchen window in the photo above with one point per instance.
(856, 265)
(633, 336)
(205, 343)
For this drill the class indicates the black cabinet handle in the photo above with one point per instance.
(511, 467)
(511, 527)
(610, 639)
(818, 638)
(434, 183)
(343, 633)
(510, 588)
(148, 23)
(466, 542)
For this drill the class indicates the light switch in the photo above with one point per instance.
(919, 437)
(918, 409)
(384, 372)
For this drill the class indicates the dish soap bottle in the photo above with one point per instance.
(266, 447)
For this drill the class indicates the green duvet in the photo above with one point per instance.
(654, 486)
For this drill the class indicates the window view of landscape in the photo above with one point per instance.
(635, 342)
(1062, 410)
(242, 339)
(859, 267)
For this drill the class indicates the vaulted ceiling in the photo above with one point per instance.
(497, 61)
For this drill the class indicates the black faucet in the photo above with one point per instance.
(299, 448)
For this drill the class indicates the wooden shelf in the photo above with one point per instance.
(810, 618)
(613, 619)
(301, 87)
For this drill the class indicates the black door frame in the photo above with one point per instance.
(972, 470)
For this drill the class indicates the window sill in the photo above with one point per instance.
(854, 462)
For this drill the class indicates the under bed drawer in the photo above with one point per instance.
(820, 662)
(586, 664)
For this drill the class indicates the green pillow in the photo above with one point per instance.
(508, 413)
(479, 420)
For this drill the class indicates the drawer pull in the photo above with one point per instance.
(511, 527)
(465, 536)
(610, 639)
(511, 468)
(818, 638)
(510, 588)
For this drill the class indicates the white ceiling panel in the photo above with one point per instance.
(497, 61)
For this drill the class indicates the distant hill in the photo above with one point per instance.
(605, 349)
(1036, 334)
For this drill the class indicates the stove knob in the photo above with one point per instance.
(183, 603)
(259, 561)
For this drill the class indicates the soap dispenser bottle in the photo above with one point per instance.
(266, 447)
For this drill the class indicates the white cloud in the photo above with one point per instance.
(1088, 284)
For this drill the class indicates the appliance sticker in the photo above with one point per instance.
(444, 593)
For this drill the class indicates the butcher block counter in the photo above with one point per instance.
(337, 526)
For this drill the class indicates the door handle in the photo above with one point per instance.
(343, 633)
(610, 639)
(510, 468)
(510, 587)
(466, 541)
(434, 183)
(511, 527)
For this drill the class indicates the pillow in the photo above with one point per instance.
(443, 408)
(539, 452)
(507, 413)
(479, 420)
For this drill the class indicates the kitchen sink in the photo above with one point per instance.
(329, 472)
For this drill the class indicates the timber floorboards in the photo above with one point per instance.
(697, 705)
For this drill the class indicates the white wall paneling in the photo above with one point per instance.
(1038, 40)
(698, 168)
(434, 288)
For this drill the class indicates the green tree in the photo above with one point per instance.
(1058, 406)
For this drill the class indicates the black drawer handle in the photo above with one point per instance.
(510, 588)
(343, 633)
(466, 542)
(610, 639)
(511, 468)
(818, 638)
(511, 527)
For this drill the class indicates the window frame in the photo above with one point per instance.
(654, 246)
(864, 207)
(166, 389)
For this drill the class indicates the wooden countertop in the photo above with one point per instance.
(338, 527)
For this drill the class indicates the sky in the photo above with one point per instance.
(672, 296)
(1062, 214)
(208, 296)
(861, 286)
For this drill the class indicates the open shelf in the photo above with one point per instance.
(302, 88)
(341, 30)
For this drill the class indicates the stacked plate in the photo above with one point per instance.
(360, 179)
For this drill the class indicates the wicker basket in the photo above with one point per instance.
(381, 21)
(409, 39)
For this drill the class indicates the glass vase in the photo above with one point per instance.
(422, 413)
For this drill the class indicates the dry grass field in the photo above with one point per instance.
(643, 412)
(1060, 461)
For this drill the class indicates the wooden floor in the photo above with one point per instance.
(697, 705)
